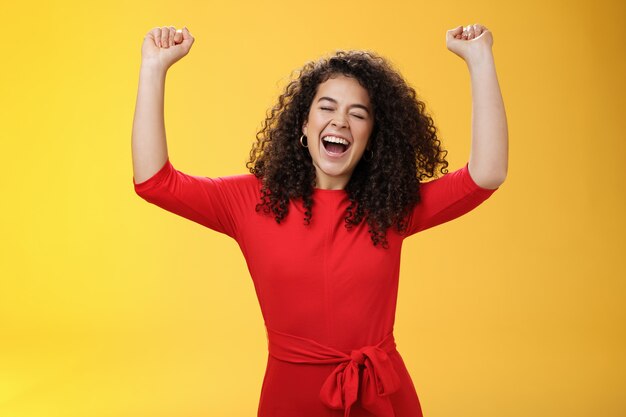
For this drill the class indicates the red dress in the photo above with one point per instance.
(327, 294)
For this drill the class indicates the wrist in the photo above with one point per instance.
(480, 59)
(152, 67)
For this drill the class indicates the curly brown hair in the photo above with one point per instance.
(384, 189)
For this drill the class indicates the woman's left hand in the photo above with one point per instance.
(469, 42)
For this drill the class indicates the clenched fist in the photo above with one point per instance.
(470, 42)
(164, 46)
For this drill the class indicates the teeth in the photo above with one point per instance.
(335, 139)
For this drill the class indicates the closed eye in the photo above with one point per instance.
(358, 116)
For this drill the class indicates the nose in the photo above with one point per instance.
(339, 122)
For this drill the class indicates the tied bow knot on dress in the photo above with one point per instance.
(366, 373)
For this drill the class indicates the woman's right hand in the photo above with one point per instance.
(164, 46)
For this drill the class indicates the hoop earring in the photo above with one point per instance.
(371, 154)
(301, 142)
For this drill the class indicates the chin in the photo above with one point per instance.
(333, 171)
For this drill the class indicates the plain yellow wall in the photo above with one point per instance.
(112, 307)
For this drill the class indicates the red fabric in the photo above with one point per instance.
(366, 372)
(322, 283)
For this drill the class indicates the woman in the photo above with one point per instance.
(334, 188)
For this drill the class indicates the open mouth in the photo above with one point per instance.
(335, 145)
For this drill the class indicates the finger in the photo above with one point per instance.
(170, 39)
(478, 30)
(155, 34)
(465, 32)
(178, 36)
(186, 33)
(165, 34)
(187, 36)
(470, 32)
(457, 31)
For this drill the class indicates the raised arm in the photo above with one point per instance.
(488, 161)
(161, 48)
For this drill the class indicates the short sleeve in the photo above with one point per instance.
(446, 198)
(221, 204)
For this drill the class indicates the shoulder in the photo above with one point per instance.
(458, 182)
(243, 187)
(248, 181)
(446, 198)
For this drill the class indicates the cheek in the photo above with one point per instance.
(364, 135)
(319, 120)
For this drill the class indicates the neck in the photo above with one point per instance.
(325, 182)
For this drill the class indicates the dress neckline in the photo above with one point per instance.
(330, 195)
(324, 190)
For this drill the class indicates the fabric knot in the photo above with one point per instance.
(373, 385)
(366, 373)
(358, 356)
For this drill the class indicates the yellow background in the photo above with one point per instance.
(112, 307)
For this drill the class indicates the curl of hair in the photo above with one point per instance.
(382, 190)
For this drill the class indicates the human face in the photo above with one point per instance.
(341, 109)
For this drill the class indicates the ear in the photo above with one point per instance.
(304, 128)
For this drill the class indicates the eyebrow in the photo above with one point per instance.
(353, 105)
